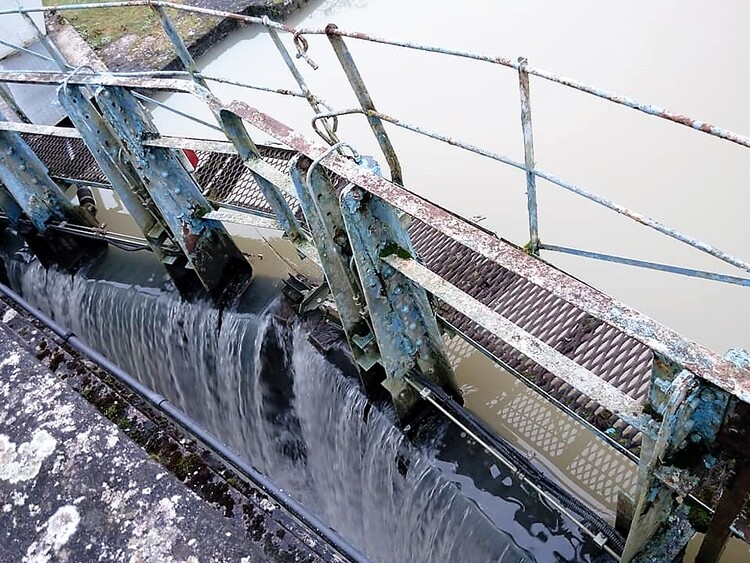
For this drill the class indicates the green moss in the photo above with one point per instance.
(392, 248)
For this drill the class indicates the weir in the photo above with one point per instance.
(337, 378)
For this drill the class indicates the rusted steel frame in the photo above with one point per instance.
(437, 402)
(368, 106)
(550, 359)
(528, 149)
(701, 361)
(184, 86)
(698, 359)
(604, 202)
(541, 73)
(649, 265)
(330, 137)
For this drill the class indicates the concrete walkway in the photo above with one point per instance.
(73, 487)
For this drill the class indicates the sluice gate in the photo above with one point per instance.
(400, 271)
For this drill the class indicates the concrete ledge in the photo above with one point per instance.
(75, 486)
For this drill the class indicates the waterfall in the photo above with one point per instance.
(258, 383)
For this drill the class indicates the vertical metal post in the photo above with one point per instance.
(528, 146)
(179, 45)
(402, 319)
(311, 99)
(358, 85)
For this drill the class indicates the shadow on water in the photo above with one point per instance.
(253, 377)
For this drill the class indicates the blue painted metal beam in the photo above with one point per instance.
(28, 193)
(402, 318)
(320, 205)
(112, 157)
(210, 251)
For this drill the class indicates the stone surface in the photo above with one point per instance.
(74, 488)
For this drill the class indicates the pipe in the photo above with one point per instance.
(296, 509)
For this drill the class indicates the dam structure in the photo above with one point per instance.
(242, 349)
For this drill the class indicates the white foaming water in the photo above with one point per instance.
(261, 386)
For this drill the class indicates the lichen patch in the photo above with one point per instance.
(57, 531)
(23, 463)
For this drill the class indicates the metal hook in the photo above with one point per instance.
(355, 155)
(72, 73)
(301, 44)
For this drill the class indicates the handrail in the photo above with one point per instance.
(329, 119)
(299, 33)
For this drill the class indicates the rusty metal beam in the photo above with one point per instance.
(550, 359)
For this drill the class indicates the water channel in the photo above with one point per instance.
(665, 54)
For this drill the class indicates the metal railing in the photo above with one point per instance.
(726, 375)
(325, 120)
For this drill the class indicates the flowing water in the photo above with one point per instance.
(259, 384)
(678, 54)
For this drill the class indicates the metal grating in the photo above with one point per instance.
(616, 358)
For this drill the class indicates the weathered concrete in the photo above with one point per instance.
(75, 487)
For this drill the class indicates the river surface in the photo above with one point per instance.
(677, 54)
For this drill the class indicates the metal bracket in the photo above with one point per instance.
(673, 460)
(323, 213)
(113, 158)
(27, 189)
(210, 251)
(400, 312)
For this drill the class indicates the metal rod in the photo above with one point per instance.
(649, 265)
(220, 80)
(178, 44)
(528, 148)
(429, 396)
(632, 103)
(27, 51)
(358, 85)
(176, 111)
(621, 209)
(296, 509)
(49, 46)
(331, 138)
